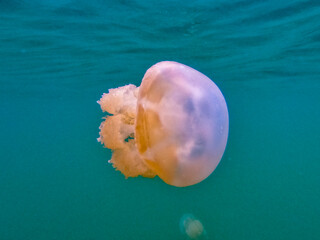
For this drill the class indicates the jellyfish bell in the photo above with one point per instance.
(192, 227)
(175, 125)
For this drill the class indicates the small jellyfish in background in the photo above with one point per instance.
(192, 227)
(175, 125)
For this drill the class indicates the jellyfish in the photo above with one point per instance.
(175, 125)
(192, 227)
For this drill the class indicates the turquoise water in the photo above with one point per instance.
(58, 57)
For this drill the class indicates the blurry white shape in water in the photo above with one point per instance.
(192, 227)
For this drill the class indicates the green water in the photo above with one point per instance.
(57, 58)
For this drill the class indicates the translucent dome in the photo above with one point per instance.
(175, 125)
(192, 227)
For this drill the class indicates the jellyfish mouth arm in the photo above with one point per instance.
(120, 100)
(117, 131)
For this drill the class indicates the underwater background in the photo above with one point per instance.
(57, 57)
